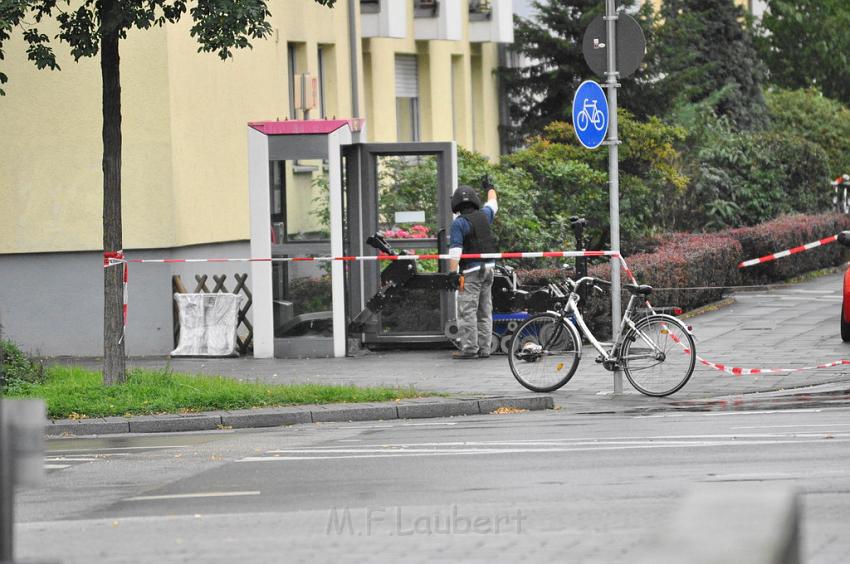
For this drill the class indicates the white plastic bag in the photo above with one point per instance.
(207, 324)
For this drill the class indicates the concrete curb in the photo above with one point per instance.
(276, 417)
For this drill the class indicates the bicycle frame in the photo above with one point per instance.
(626, 321)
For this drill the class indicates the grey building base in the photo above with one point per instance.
(276, 417)
(51, 304)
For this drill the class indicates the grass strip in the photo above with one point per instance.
(72, 392)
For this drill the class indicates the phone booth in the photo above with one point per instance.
(316, 190)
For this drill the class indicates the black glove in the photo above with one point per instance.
(453, 280)
(486, 184)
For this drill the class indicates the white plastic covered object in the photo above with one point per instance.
(207, 324)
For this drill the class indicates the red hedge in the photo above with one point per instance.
(692, 261)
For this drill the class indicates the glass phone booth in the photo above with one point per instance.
(316, 191)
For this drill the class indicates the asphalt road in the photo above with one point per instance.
(551, 485)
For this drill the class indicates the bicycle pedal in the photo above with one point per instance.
(600, 359)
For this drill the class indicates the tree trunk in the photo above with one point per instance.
(114, 370)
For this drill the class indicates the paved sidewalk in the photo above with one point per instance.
(789, 327)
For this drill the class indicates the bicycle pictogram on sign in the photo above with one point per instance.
(590, 114)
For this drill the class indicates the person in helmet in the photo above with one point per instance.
(470, 234)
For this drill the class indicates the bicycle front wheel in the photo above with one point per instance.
(544, 353)
(658, 355)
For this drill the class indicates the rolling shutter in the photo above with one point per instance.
(406, 76)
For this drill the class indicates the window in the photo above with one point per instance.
(291, 59)
(407, 97)
(278, 201)
(458, 100)
(322, 76)
(299, 203)
(370, 6)
(328, 84)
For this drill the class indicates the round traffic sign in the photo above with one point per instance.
(590, 114)
(631, 45)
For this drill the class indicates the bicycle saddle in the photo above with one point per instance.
(642, 290)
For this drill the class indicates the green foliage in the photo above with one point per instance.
(540, 90)
(652, 183)
(519, 225)
(560, 187)
(805, 43)
(817, 119)
(703, 50)
(749, 178)
(17, 368)
(78, 393)
(310, 294)
(219, 26)
(406, 185)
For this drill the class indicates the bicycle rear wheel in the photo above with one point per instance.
(544, 353)
(658, 355)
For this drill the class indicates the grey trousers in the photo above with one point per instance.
(475, 311)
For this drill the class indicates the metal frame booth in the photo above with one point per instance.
(316, 190)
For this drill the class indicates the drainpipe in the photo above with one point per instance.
(352, 48)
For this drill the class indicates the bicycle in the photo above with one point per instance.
(656, 352)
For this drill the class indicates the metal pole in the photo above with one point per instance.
(7, 492)
(613, 177)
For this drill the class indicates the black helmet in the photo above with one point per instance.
(465, 195)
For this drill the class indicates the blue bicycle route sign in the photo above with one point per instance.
(590, 114)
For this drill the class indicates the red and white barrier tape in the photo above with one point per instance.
(751, 371)
(788, 252)
(480, 256)
(117, 257)
(111, 259)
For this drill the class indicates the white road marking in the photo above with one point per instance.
(104, 449)
(797, 425)
(441, 423)
(56, 466)
(191, 496)
(725, 413)
(567, 441)
(406, 453)
(70, 459)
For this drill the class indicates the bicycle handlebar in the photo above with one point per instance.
(574, 284)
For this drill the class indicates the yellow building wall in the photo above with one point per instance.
(184, 177)
(185, 174)
(450, 105)
(51, 184)
(213, 100)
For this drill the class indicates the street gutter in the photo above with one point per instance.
(281, 416)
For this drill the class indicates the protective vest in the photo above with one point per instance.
(479, 239)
